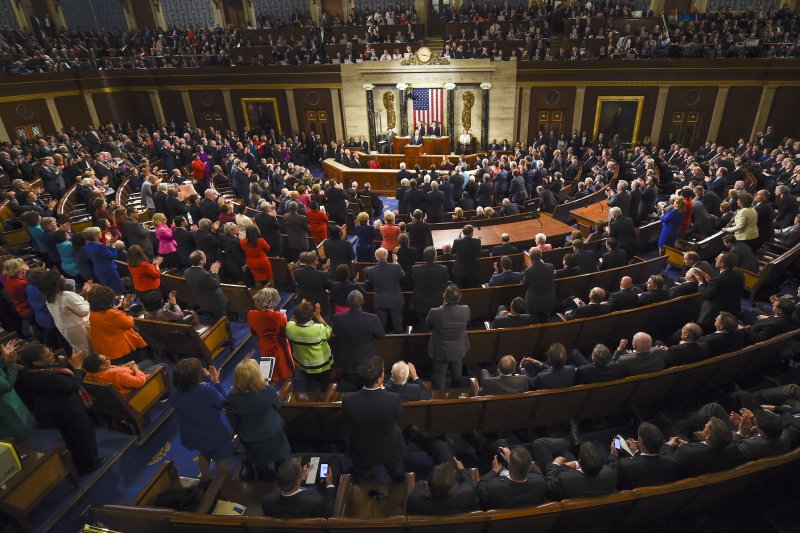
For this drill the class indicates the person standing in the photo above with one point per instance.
(467, 267)
(449, 342)
(540, 292)
(16, 422)
(255, 250)
(309, 334)
(269, 326)
(354, 333)
(384, 279)
(204, 284)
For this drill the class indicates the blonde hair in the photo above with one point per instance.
(13, 267)
(362, 218)
(247, 377)
(489, 212)
(159, 218)
(388, 217)
(458, 212)
(94, 231)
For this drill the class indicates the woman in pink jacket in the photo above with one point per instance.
(167, 247)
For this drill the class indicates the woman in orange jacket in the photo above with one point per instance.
(112, 330)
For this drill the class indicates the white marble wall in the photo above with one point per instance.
(467, 74)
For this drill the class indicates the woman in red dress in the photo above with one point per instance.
(255, 251)
(317, 223)
(270, 328)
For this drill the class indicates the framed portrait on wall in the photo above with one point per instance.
(261, 115)
(618, 115)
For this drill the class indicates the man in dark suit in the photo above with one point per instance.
(434, 200)
(206, 241)
(503, 275)
(209, 206)
(506, 381)
(723, 292)
(311, 284)
(585, 259)
(623, 230)
(505, 248)
(766, 217)
(688, 350)
(567, 477)
(540, 293)
(726, 338)
(403, 173)
(624, 298)
(160, 198)
(232, 254)
(767, 327)
(554, 374)
(522, 488)
(646, 467)
(289, 500)
(135, 233)
(595, 307)
(184, 240)
(621, 199)
(430, 281)
(655, 291)
(384, 279)
(419, 233)
(372, 415)
(297, 231)
(416, 139)
(788, 207)
(614, 257)
(449, 342)
(791, 238)
(599, 369)
(406, 383)
(449, 490)
(569, 268)
(354, 336)
(758, 434)
(643, 359)
(414, 197)
(270, 229)
(204, 284)
(512, 317)
(708, 454)
(467, 268)
(175, 207)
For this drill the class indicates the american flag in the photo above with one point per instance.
(428, 105)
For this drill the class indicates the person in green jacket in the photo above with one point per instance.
(309, 335)
(16, 422)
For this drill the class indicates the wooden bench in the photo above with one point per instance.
(707, 248)
(133, 406)
(353, 500)
(181, 339)
(770, 273)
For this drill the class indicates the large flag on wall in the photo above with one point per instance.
(428, 105)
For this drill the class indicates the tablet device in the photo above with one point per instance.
(267, 365)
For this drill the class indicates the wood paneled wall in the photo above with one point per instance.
(739, 114)
(785, 113)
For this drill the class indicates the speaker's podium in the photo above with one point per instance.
(430, 146)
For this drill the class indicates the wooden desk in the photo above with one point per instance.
(41, 472)
(521, 233)
(430, 145)
(595, 214)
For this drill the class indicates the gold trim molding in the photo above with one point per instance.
(611, 99)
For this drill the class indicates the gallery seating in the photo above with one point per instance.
(186, 339)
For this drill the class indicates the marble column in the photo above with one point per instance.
(451, 115)
(373, 138)
(485, 115)
(403, 109)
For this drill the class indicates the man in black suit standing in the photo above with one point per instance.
(233, 259)
(270, 228)
(289, 500)
(449, 342)
(416, 139)
(206, 241)
(723, 292)
(209, 206)
(136, 233)
(184, 240)
(430, 281)
(522, 488)
(204, 284)
(419, 233)
(384, 279)
(540, 292)
(646, 467)
(621, 199)
(466, 270)
(312, 284)
(434, 200)
(354, 336)
(372, 415)
(623, 230)
(449, 490)
(788, 207)
(766, 217)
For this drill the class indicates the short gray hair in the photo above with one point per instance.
(615, 211)
(400, 373)
(267, 298)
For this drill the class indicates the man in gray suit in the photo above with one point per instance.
(204, 284)
(384, 279)
(540, 291)
(643, 359)
(507, 382)
(135, 233)
(449, 342)
(296, 231)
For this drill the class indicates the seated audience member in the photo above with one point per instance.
(512, 317)
(643, 359)
(521, 488)
(625, 297)
(155, 308)
(614, 257)
(585, 259)
(570, 268)
(692, 260)
(373, 415)
(554, 374)
(567, 477)
(123, 377)
(646, 467)
(767, 326)
(595, 307)
(407, 383)
(743, 256)
(291, 500)
(726, 338)
(791, 238)
(506, 381)
(758, 435)
(449, 490)
(655, 291)
(503, 275)
(688, 350)
(505, 248)
(709, 453)
(685, 286)
(599, 369)
(541, 242)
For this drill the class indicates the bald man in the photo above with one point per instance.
(643, 359)
(624, 298)
(688, 350)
